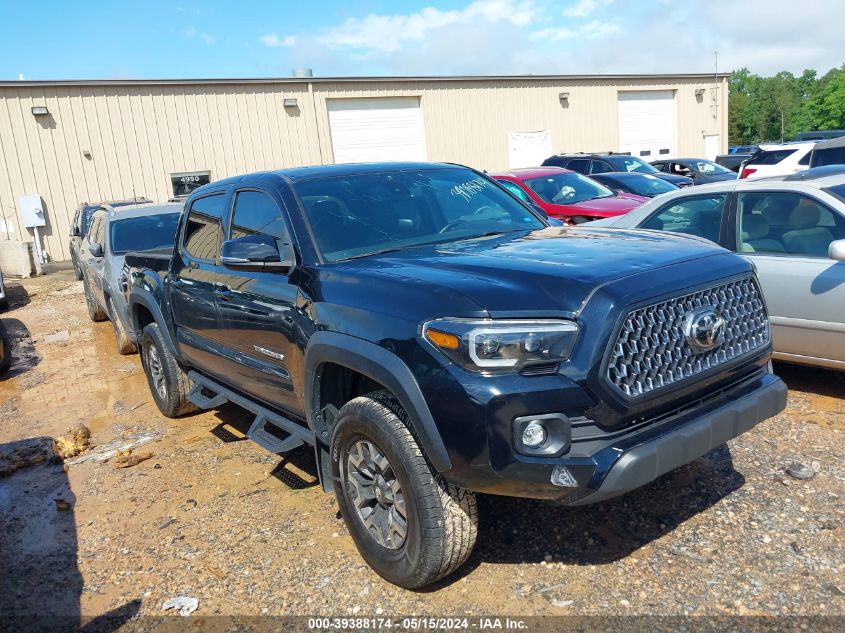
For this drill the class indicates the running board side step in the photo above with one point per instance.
(258, 433)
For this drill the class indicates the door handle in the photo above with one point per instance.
(223, 293)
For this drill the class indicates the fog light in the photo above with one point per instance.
(534, 435)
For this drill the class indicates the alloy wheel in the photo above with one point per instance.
(376, 494)
(156, 371)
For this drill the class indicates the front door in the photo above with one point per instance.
(787, 236)
(194, 282)
(258, 310)
(94, 266)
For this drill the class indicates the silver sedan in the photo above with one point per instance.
(793, 229)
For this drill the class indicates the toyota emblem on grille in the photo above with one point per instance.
(704, 329)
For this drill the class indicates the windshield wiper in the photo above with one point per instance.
(387, 250)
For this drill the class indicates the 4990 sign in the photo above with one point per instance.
(184, 183)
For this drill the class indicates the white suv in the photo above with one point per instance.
(777, 160)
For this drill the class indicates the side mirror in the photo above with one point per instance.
(836, 250)
(95, 249)
(253, 253)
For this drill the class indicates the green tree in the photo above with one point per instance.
(781, 106)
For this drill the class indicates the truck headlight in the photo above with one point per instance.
(502, 345)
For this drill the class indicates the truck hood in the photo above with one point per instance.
(555, 269)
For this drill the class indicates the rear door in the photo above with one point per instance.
(194, 281)
(258, 312)
(787, 235)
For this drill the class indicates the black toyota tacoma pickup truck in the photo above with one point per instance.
(432, 337)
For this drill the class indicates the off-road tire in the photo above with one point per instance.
(125, 345)
(164, 374)
(95, 312)
(4, 304)
(77, 270)
(442, 519)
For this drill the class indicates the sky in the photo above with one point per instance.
(94, 39)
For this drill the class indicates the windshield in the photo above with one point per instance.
(838, 191)
(632, 163)
(364, 214)
(647, 185)
(567, 188)
(146, 233)
(708, 167)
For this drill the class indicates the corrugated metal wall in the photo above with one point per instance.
(139, 134)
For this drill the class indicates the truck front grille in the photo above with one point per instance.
(653, 349)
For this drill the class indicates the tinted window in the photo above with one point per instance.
(599, 167)
(203, 229)
(771, 157)
(147, 233)
(698, 215)
(581, 165)
(362, 214)
(829, 156)
(567, 188)
(87, 216)
(515, 190)
(256, 212)
(647, 185)
(788, 223)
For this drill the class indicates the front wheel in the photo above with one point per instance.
(169, 385)
(409, 524)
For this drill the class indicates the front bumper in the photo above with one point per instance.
(640, 464)
(628, 460)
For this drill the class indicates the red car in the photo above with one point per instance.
(567, 195)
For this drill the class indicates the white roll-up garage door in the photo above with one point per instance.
(367, 130)
(647, 123)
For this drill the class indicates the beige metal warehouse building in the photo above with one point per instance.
(102, 140)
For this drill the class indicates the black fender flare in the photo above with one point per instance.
(141, 297)
(383, 367)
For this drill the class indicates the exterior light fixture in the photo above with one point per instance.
(40, 110)
(289, 103)
(564, 98)
(699, 92)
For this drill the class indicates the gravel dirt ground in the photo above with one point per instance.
(215, 517)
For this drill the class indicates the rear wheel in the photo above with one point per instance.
(409, 524)
(169, 385)
(124, 343)
(77, 270)
(95, 312)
